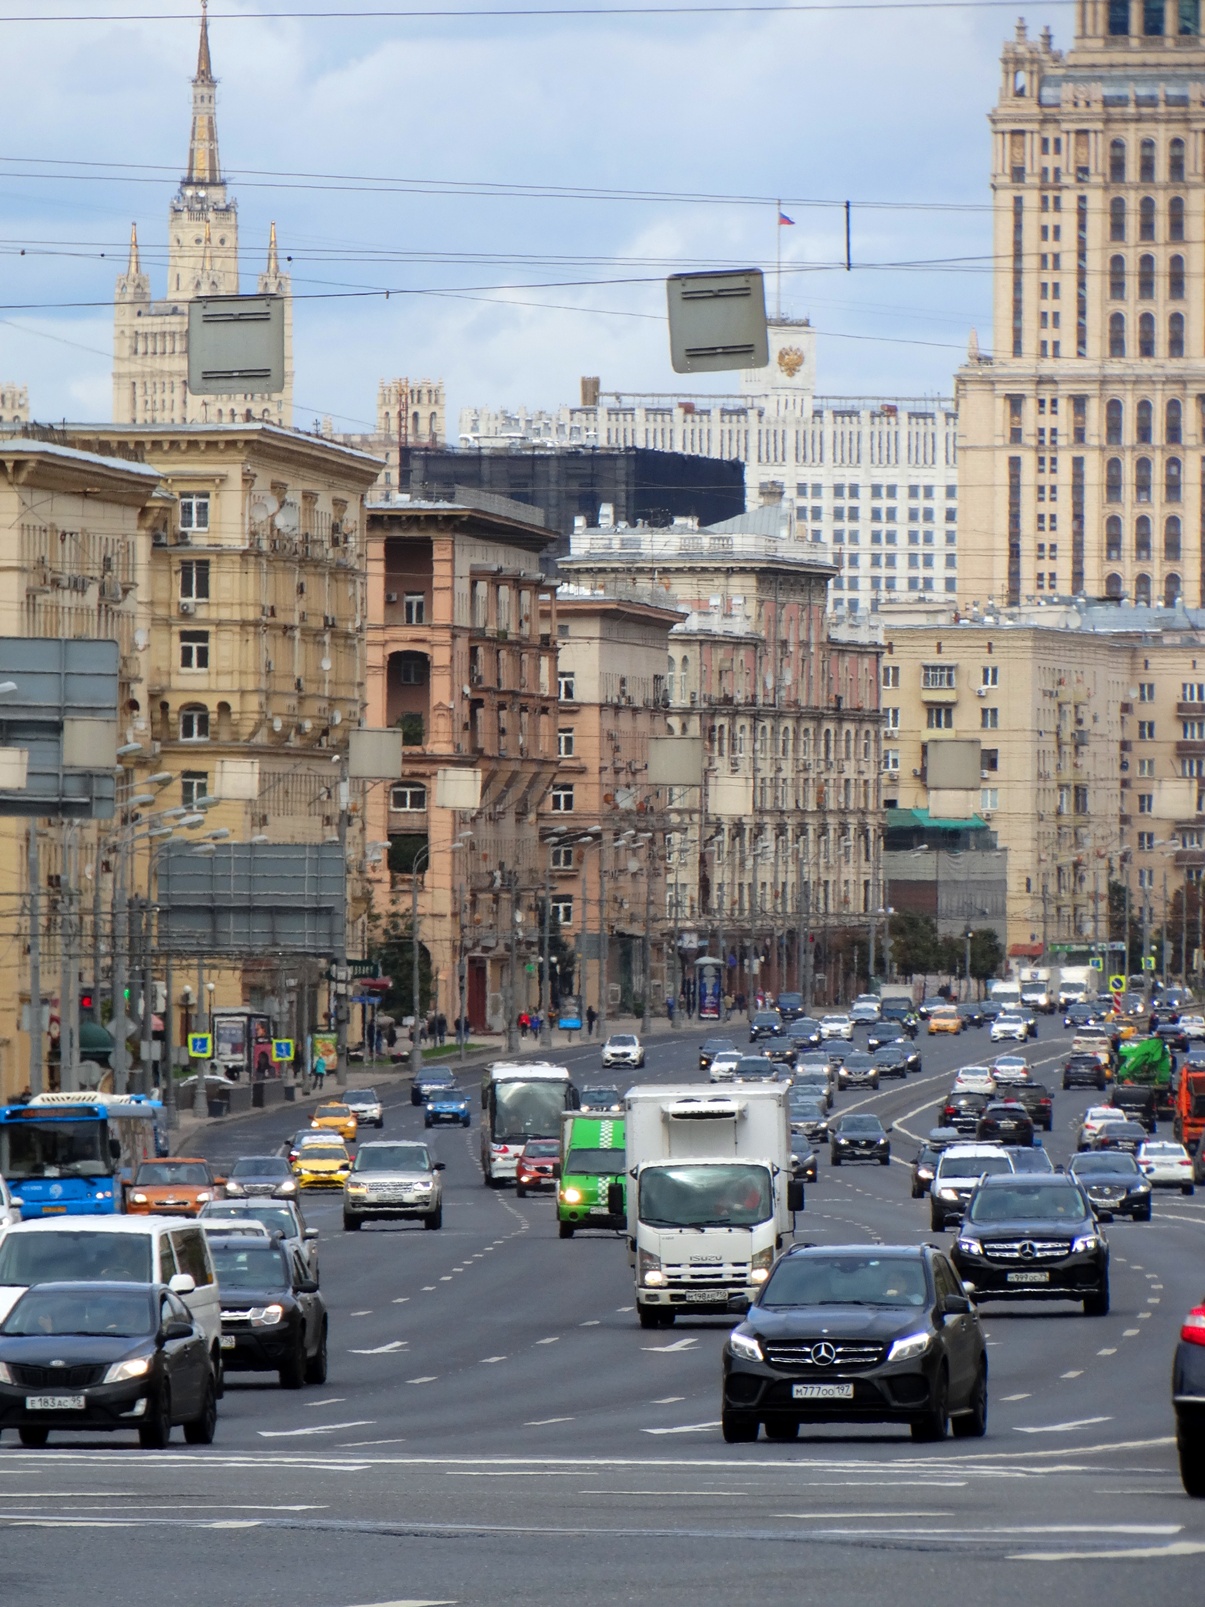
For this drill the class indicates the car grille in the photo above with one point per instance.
(683, 1276)
(850, 1355)
(391, 1192)
(56, 1377)
(1107, 1191)
(1027, 1249)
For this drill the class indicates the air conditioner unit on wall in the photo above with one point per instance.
(187, 606)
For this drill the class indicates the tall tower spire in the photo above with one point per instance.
(133, 266)
(273, 268)
(203, 164)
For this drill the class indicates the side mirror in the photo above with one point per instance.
(440, 1166)
(616, 1203)
(794, 1195)
(306, 1286)
(183, 1284)
(955, 1306)
(178, 1329)
(310, 1234)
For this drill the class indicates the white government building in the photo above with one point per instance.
(873, 483)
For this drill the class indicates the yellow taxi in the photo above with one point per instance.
(338, 1118)
(945, 1019)
(322, 1166)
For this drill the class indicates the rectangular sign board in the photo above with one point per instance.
(717, 321)
(252, 898)
(63, 690)
(236, 344)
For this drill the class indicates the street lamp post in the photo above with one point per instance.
(421, 858)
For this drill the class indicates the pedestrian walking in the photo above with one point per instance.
(669, 1010)
(319, 1071)
(591, 1018)
(441, 1028)
(524, 1023)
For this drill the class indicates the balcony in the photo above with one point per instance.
(1190, 750)
(939, 694)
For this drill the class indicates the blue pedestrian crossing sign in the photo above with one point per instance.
(282, 1051)
(200, 1045)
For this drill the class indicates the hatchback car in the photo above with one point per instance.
(1033, 1238)
(447, 1106)
(173, 1187)
(804, 1031)
(538, 1166)
(857, 1334)
(866, 1009)
(1085, 1071)
(859, 1138)
(892, 1061)
(1035, 1097)
(765, 1024)
(808, 1087)
(790, 1006)
(1114, 1183)
(723, 1065)
(622, 1049)
(858, 1070)
(809, 1117)
(962, 1111)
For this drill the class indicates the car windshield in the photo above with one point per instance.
(716, 1046)
(595, 1162)
(623, 1040)
(277, 1217)
(807, 1109)
(363, 1096)
(1037, 1202)
(324, 1152)
(764, 1019)
(339, 1112)
(66, 1256)
(115, 1313)
(1094, 1165)
(434, 1079)
(846, 1280)
(179, 1174)
(250, 1265)
(737, 1196)
(393, 1158)
(542, 1149)
(1031, 1160)
(861, 1125)
(525, 1109)
(1157, 1151)
(859, 1062)
(449, 1092)
(973, 1165)
(260, 1166)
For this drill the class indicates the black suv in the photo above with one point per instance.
(790, 1006)
(891, 1061)
(857, 1334)
(1034, 1238)
(765, 1024)
(1084, 1071)
(1035, 1097)
(962, 1111)
(1005, 1121)
(859, 1138)
(273, 1317)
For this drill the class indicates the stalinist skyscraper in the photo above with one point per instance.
(150, 338)
(1081, 436)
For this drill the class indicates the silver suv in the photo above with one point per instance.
(391, 1178)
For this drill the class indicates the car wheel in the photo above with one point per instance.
(1097, 1305)
(782, 1431)
(738, 1430)
(565, 1229)
(379, 1124)
(834, 1159)
(155, 1430)
(918, 1193)
(1142, 1213)
(937, 1222)
(1188, 1188)
(435, 1219)
(665, 1317)
(520, 1193)
(33, 1437)
(650, 1316)
(199, 1430)
(292, 1374)
(315, 1371)
(972, 1425)
(935, 1424)
(884, 1160)
(1190, 1448)
(467, 1122)
(351, 1224)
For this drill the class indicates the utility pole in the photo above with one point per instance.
(117, 971)
(167, 1067)
(647, 955)
(200, 1098)
(36, 1074)
(416, 1046)
(545, 961)
(342, 1009)
(807, 947)
(1163, 956)
(462, 966)
(604, 957)
(68, 970)
(509, 993)
(583, 922)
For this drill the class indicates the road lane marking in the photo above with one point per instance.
(446, 1602)
(1076, 1372)
(665, 1350)
(555, 1340)
(429, 1288)
(683, 1428)
(428, 1378)
(319, 1428)
(1129, 1333)
(401, 1300)
(1178, 1548)
(542, 1422)
(668, 1400)
(335, 1400)
(1109, 1350)
(1062, 1428)
(485, 1360)
(382, 1350)
(594, 1324)
(1024, 1397)
(360, 1314)
(348, 1445)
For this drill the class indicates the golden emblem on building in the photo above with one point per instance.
(790, 360)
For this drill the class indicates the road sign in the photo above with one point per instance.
(1148, 962)
(282, 1051)
(1117, 984)
(200, 1045)
(1097, 964)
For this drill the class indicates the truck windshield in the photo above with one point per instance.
(66, 1256)
(595, 1162)
(523, 1110)
(736, 1196)
(55, 1149)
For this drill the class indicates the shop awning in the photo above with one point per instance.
(95, 1042)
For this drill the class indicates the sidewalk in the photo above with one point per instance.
(367, 1074)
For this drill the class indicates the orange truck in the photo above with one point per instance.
(1189, 1121)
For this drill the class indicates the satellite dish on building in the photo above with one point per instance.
(288, 518)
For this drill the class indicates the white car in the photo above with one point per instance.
(974, 1080)
(623, 1049)
(837, 1026)
(1010, 1027)
(723, 1066)
(1010, 1070)
(1193, 1026)
(1098, 1116)
(1166, 1165)
(866, 1009)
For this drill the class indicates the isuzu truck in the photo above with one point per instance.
(710, 1196)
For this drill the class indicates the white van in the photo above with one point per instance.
(134, 1249)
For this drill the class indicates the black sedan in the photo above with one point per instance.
(1114, 1184)
(261, 1175)
(1120, 1135)
(971, 1011)
(1083, 1015)
(859, 1138)
(105, 1356)
(1005, 1121)
(428, 1082)
(858, 1070)
(963, 1110)
(803, 1158)
(790, 1006)
(1033, 1238)
(857, 1334)
(1188, 1400)
(805, 1030)
(273, 1317)
(809, 1117)
(755, 1068)
(765, 1024)
(891, 1062)
(711, 1047)
(603, 1100)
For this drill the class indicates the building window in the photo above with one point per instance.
(1114, 586)
(1142, 539)
(1113, 539)
(1146, 877)
(414, 608)
(1146, 730)
(1142, 591)
(938, 677)
(1142, 480)
(562, 856)
(989, 719)
(1175, 218)
(891, 719)
(1146, 692)
(1117, 334)
(1146, 422)
(1146, 158)
(1172, 480)
(989, 759)
(1117, 278)
(561, 909)
(1174, 426)
(409, 798)
(1113, 422)
(1175, 335)
(940, 718)
(891, 758)
(1146, 803)
(989, 798)
(562, 798)
(1113, 480)
(1146, 767)
(1117, 157)
(891, 675)
(1146, 218)
(1117, 219)
(1175, 279)
(194, 785)
(194, 650)
(1171, 591)
(564, 742)
(194, 580)
(194, 723)
(1146, 335)
(1175, 151)
(194, 511)
(565, 686)
(990, 675)
(1146, 278)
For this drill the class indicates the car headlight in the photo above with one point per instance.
(138, 1199)
(1085, 1242)
(5, 1376)
(910, 1346)
(357, 1188)
(759, 1271)
(1143, 1188)
(947, 1194)
(746, 1346)
(266, 1316)
(134, 1367)
(970, 1246)
(421, 1186)
(234, 1189)
(571, 1196)
(205, 1194)
(287, 1187)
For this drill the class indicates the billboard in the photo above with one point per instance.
(61, 708)
(953, 765)
(252, 898)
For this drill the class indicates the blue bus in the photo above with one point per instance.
(69, 1154)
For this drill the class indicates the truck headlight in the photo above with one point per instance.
(759, 1269)
(746, 1346)
(648, 1269)
(571, 1196)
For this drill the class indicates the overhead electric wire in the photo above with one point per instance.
(570, 13)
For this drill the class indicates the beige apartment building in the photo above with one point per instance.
(603, 822)
(1081, 435)
(410, 412)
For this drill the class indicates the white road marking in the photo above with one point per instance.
(429, 1288)
(428, 1378)
(348, 1445)
(383, 1350)
(1129, 1333)
(1143, 1315)
(360, 1314)
(594, 1324)
(485, 1360)
(1178, 1548)
(625, 1308)
(555, 1340)
(1109, 1350)
(665, 1350)
(1015, 1397)
(446, 1602)
(1076, 1372)
(1062, 1428)
(668, 1400)
(401, 1300)
(321, 1428)
(334, 1400)
(1153, 1300)
(447, 1278)
(683, 1428)
(542, 1422)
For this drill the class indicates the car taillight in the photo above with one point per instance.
(1194, 1326)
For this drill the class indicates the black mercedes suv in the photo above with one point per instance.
(1033, 1238)
(857, 1334)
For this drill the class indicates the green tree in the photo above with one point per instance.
(987, 954)
(393, 951)
(914, 943)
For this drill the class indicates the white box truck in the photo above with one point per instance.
(710, 1195)
(1077, 985)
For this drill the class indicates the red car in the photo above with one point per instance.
(539, 1165)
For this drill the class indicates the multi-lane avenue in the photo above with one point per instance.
(496, 1427)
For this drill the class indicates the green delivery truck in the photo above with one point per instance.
(592, 1159)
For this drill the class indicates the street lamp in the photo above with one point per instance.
(421, 859)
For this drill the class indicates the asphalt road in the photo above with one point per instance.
(497, 1427)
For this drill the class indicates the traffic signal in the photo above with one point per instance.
(87, 1003)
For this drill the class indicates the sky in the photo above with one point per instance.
(448, 160)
